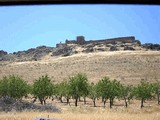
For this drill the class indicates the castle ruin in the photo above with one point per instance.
(80, 40)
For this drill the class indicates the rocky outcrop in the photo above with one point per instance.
(32, 54)
(88, 50)
(8, 57)
(64, 51)
(128, 48)
(151, 46)
(8, 104)
(113, 48)
(2, 53)
(77, 46)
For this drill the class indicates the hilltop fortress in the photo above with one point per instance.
(80, 40)
(80, 45)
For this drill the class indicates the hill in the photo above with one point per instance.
(124, 59)
(127, 66)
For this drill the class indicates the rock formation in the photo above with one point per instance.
(8, 104)
(80, 45)
(2, 53)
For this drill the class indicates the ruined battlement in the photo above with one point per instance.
(81, 40)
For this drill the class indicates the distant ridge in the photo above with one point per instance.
(80, 45)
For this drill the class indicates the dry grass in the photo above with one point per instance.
(81, 116)
(78, 113)
(151, 111)
(127, 66)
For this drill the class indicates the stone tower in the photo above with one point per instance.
(80, 40)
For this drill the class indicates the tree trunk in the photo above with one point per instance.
(104, 102)
(41, 101)
(94, 102)
(60, 98)
(142, 101)
(76, 101)
(110, 102)
(158, 96)
(158, 99)
(68, 103)
(84, 100)
(125, 100)
(44, 101)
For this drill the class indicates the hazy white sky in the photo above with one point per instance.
(24, 27)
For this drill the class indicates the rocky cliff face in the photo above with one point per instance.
(32, 54)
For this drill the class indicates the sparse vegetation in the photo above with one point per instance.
(127, 70)
(78, 87)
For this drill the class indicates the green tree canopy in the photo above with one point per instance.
(126, 93)
(143, 91)
(108, 89)
(63, 90)
(93, 94)
(156, 90)
(43, 88)
(13, 86)
(78, 86)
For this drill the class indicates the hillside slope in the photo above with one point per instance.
(127, 66)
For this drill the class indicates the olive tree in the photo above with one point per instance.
(93, 94)
(78, 86)
(143, 91)
(108, 89)
(113, 90)
(43, 88)
(63, 90)
(156, 88)
(102, 89)
(13, 86)
(126, 93)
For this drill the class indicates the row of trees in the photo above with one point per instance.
(78, 87)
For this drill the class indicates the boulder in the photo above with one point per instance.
(88, 50)
(64, 51)
(101, 49)
(128, 48)
(2, 53)
(113, 48)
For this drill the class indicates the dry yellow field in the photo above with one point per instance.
(100, 114)
(151, 111)
(128, 67)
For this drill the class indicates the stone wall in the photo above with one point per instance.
(60, 45)
(71, 42)
(80, 40)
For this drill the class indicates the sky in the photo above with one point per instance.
(24, 27)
